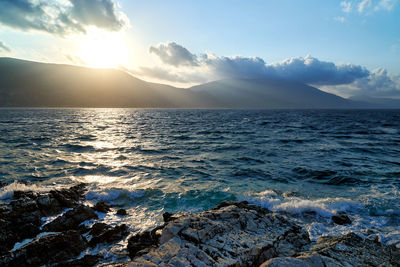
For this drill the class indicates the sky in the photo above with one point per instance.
(348, 47)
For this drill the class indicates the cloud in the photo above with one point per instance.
(174, 54)
(363, 5)
(340, 19)
(305, 70)
(386, 5)
(313, 71)
(346, 6)
(61, 17)
(4, 47)
(379, 83)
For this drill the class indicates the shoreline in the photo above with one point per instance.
(231, 234)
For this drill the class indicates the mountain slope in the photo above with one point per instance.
(272, 93)
(32, 84)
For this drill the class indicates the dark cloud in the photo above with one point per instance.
(99, 13)
(60, 17)
(307, 70)
(313, 71)
(174, 54)
(4, 47)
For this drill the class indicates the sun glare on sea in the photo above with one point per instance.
(103, 50)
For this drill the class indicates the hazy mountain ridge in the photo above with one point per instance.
(31, 84)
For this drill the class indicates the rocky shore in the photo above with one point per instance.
(48, 228)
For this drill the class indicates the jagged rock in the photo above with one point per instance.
(308, 261)
(341, 219)
(102, 207)
(71, 219)
(47, 250)
(143, 242)
(122, 212)
(347, 250)
(230, 234)
(103, 233)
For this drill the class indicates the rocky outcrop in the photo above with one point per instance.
(21, 218)
(241, 234)
(59, 242)
(233, 234)
(71, 219)
(49, 249)
(347, 250)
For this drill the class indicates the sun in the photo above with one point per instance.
(103, 50)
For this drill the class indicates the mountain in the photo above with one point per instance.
(272, 93)
(32, 84)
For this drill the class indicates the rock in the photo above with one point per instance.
(122, 212)
(233, 233)
(347, 250)
(69, 197)
(167, 216)
(309, 261)
(86, 261)
(102, 207)
(71, 219)
(46, 250)
(341, 219)
(142, 242)
(103, 233)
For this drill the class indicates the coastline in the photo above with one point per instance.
(56, 228)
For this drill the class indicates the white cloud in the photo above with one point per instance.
(385, 5)
(178, 61)
(363, 5)
(346, 6)
(174, 54)
(340, 19)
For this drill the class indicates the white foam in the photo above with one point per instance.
(325, 207)
(112, 194)
(7, 192)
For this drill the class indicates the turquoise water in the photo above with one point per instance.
(151, 161)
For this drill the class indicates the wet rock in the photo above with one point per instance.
(71, 219)
(102, 207)
(167, 216)
(233, 233)
(122, 212)
(47, 250)
(103, 233)
(71, 196)
(86, 261)
(142, 242)
(341, 219)
(347, 250)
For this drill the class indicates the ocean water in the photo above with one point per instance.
(310, 164)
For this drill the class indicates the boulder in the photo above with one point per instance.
(71, 219)
(102, 207)
(341, 219)
(46, 250)
(102, 233)
(122, 212)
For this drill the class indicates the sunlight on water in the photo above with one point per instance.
(151, 161)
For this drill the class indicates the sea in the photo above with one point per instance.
(308, 164)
